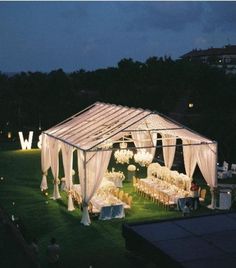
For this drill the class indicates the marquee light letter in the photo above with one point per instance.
(39, 144)
(26, 144)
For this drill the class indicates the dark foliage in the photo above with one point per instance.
(29, 100)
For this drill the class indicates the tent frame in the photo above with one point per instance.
(103, 122)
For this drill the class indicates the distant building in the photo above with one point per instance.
(224, 58)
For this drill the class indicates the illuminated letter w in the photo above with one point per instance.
(26, 144)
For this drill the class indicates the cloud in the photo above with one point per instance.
(173, 16)
(220, 17)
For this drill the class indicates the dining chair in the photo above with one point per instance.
(202, 195)
(121, 193)
(233, 169)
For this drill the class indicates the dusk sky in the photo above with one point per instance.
(44, 36)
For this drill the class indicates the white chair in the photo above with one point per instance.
(233, 169)
(225, 166)
(222, 174)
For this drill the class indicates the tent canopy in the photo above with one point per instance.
(101, 122)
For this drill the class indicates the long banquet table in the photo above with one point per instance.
(172, 191)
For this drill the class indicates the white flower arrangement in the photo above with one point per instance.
(115, 175)
(143, 158)
(123, 156)
(180, 180)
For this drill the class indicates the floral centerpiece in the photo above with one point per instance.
(115, 177)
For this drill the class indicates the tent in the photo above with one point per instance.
(94, 131)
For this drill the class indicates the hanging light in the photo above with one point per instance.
(123, 156)
(143, 158)
(123, 145)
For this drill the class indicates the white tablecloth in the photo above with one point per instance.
(171, 190)
(109, 207)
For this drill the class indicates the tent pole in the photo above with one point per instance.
(85, 216)
(213, 188)
(85, 175)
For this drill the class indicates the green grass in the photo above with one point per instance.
(100, 244)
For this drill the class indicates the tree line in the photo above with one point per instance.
(37, 100)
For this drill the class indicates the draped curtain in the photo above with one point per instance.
(190, 157)
(54, 147)
(207, 159)
(92, 166)
(45, 162)
(169, 147)
(145, 139)
(67, 158)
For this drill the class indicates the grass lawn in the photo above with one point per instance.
(101, 244)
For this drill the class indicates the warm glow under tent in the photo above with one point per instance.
(94, 131)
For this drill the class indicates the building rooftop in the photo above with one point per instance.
(227, 50)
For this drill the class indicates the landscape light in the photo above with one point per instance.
(9, 135)
(190, 105)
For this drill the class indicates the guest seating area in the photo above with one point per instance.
(163, 186)
(109, 202)
(223, 172)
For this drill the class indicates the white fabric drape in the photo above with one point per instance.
(190, 156)
(207, 161)
(168, 148)
(67, 158)
(45, 162)
(92, 166)
(54, 147)
(145, 139)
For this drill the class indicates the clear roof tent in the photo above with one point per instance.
(99, 122)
